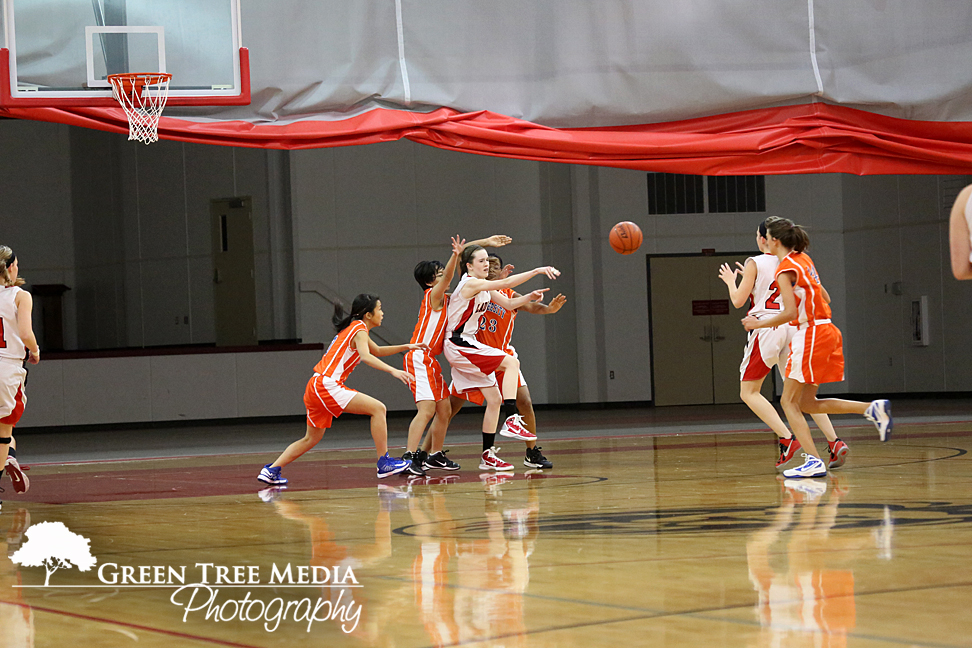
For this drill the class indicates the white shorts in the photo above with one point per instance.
(428, 385)
(13, 397)
(473, 364)
(766, 348)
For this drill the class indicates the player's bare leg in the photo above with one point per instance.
(311, 438)
(524, 406)
(749, 391)
(440, 424)
(426, 410)
(792, 398)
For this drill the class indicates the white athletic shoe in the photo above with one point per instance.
(879, 413)
(812, 467)
(514, 428)
(809, 488)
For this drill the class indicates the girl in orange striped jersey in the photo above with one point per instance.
(816, 350)
(430, 391)
(326, 396)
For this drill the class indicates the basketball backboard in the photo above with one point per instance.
(60, 52)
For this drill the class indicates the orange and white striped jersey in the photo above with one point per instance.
(431, 324)
(11, 346)
(341, 356)
(765, 299)
(496, 324)
(811, 305)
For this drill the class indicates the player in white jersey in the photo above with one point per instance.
(474, 363)
(767, 347)
(960, 235)
(16, 339)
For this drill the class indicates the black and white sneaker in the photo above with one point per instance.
(535, 459)
(439, 461)
(414, 464)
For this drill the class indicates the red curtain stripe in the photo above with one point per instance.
(809, 138)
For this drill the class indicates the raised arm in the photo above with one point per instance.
(517, 302)
(440, 287)
(494, 241)
(361, 343)
(958, 237)
(738, 295)
(789, 313)
(474, 286)
(539, 308)
(25, 304)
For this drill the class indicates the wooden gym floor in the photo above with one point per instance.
(658, 527)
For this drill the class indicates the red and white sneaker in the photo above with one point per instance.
(514, 428)
(17, 476)
(838, 454)
(788, 450)
(492, 462)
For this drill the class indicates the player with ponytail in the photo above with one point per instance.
(18, 346)
(326, 396)
(816, 350)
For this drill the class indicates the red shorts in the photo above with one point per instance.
(428, 385)
(325, 400)
(816, 355)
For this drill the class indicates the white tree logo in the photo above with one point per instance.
(52, 546)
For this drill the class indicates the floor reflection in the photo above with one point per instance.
(16, 617)
(462, 589)
(469, 590)
(799, 567)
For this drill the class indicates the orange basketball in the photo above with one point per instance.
(625, 237)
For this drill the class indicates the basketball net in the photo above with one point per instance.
(142, 96)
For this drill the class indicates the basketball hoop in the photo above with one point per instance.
(142, 96)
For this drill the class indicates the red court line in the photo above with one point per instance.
(170, 633)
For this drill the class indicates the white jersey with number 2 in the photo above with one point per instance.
(765, 297)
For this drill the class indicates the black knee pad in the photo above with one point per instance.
(6, 440)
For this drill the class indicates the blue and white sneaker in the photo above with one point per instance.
(388, 466)
(812, 467)
(810, 490)
(879, 413)
(271, 476)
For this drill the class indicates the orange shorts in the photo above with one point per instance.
(816, 355)
(325, 400)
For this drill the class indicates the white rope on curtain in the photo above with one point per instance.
(401, 52)
(813, 48)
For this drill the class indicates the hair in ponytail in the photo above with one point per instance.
(7, 259)
(361, 306)
(789, 234)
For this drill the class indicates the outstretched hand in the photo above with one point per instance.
(458, 244)
(550, 271)
(728, 275)
(556, 303)
(497, 240)
(506, 271)
(537, 295)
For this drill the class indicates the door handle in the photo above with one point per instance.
(707, 334)
(216, 275)
(718, 338)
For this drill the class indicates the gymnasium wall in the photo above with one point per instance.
(127, 227)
